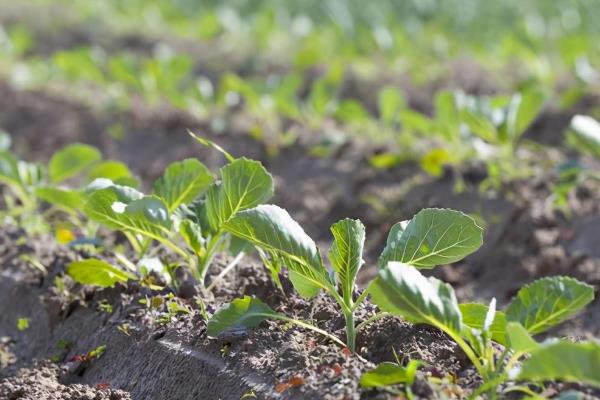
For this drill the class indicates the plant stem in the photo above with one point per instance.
(360, 299)
(312, 328)
(374, 318)
(466, 348)
(226, 270)
(350, 331)
(208, 257)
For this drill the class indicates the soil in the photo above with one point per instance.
(153, 354)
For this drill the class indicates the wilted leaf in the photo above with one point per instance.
(388, 373)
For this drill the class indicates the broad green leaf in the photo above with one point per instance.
(272, 229)
(147, 216)
(246, 312)
(244, 184)
(391, 102)
(434, 236)
(519, 339)
(388, 373)
(480, 125)
(473, 316)
(113, 170)
(346, 252)
(96, 272)
(182, 182)
(192, 234)
(66, 199)
(125, 194)
(72, 160)
(522, 110)
(564, 361)
(9, 170)
(548, 302)
(584, 135)
(403, 291)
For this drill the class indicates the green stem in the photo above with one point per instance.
(209, 255)
(467, 349)
(312, 328)
(374, 318)
(360, 299)
(350, 331)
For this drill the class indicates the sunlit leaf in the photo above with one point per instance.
(433, 237)
(346, 252)
(402, 290)
(244, 184)
(474, 314)
(182, 182)
(548, 302)
(272, 229)
(97, 273)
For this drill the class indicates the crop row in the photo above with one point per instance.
(190, 215)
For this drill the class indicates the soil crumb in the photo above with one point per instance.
(42, 382)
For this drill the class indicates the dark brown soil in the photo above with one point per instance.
(152, 354)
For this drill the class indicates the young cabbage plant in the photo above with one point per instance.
(582, 135)
(432, 237)
(401, 290)
(186, 211)
(30, 184)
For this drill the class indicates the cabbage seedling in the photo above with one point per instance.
(400, 289)
(432, 237)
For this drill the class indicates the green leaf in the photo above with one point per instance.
(66, 199)
(272, 229)
(403, 291)
(211, 144)
(548, 302)
(434, 236)
(388, 373)
(474, 314)
(243, 313)
(519, 339)
(113, 170)
(522, 110)
(346, 252)
(584, 135)
(479, 125)
(192, 234)
(9, 170)
(391, 102)
(147, 216)
(97, 273)
(244, 184)
(182, 182)
(564, 361)
(72, 160)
